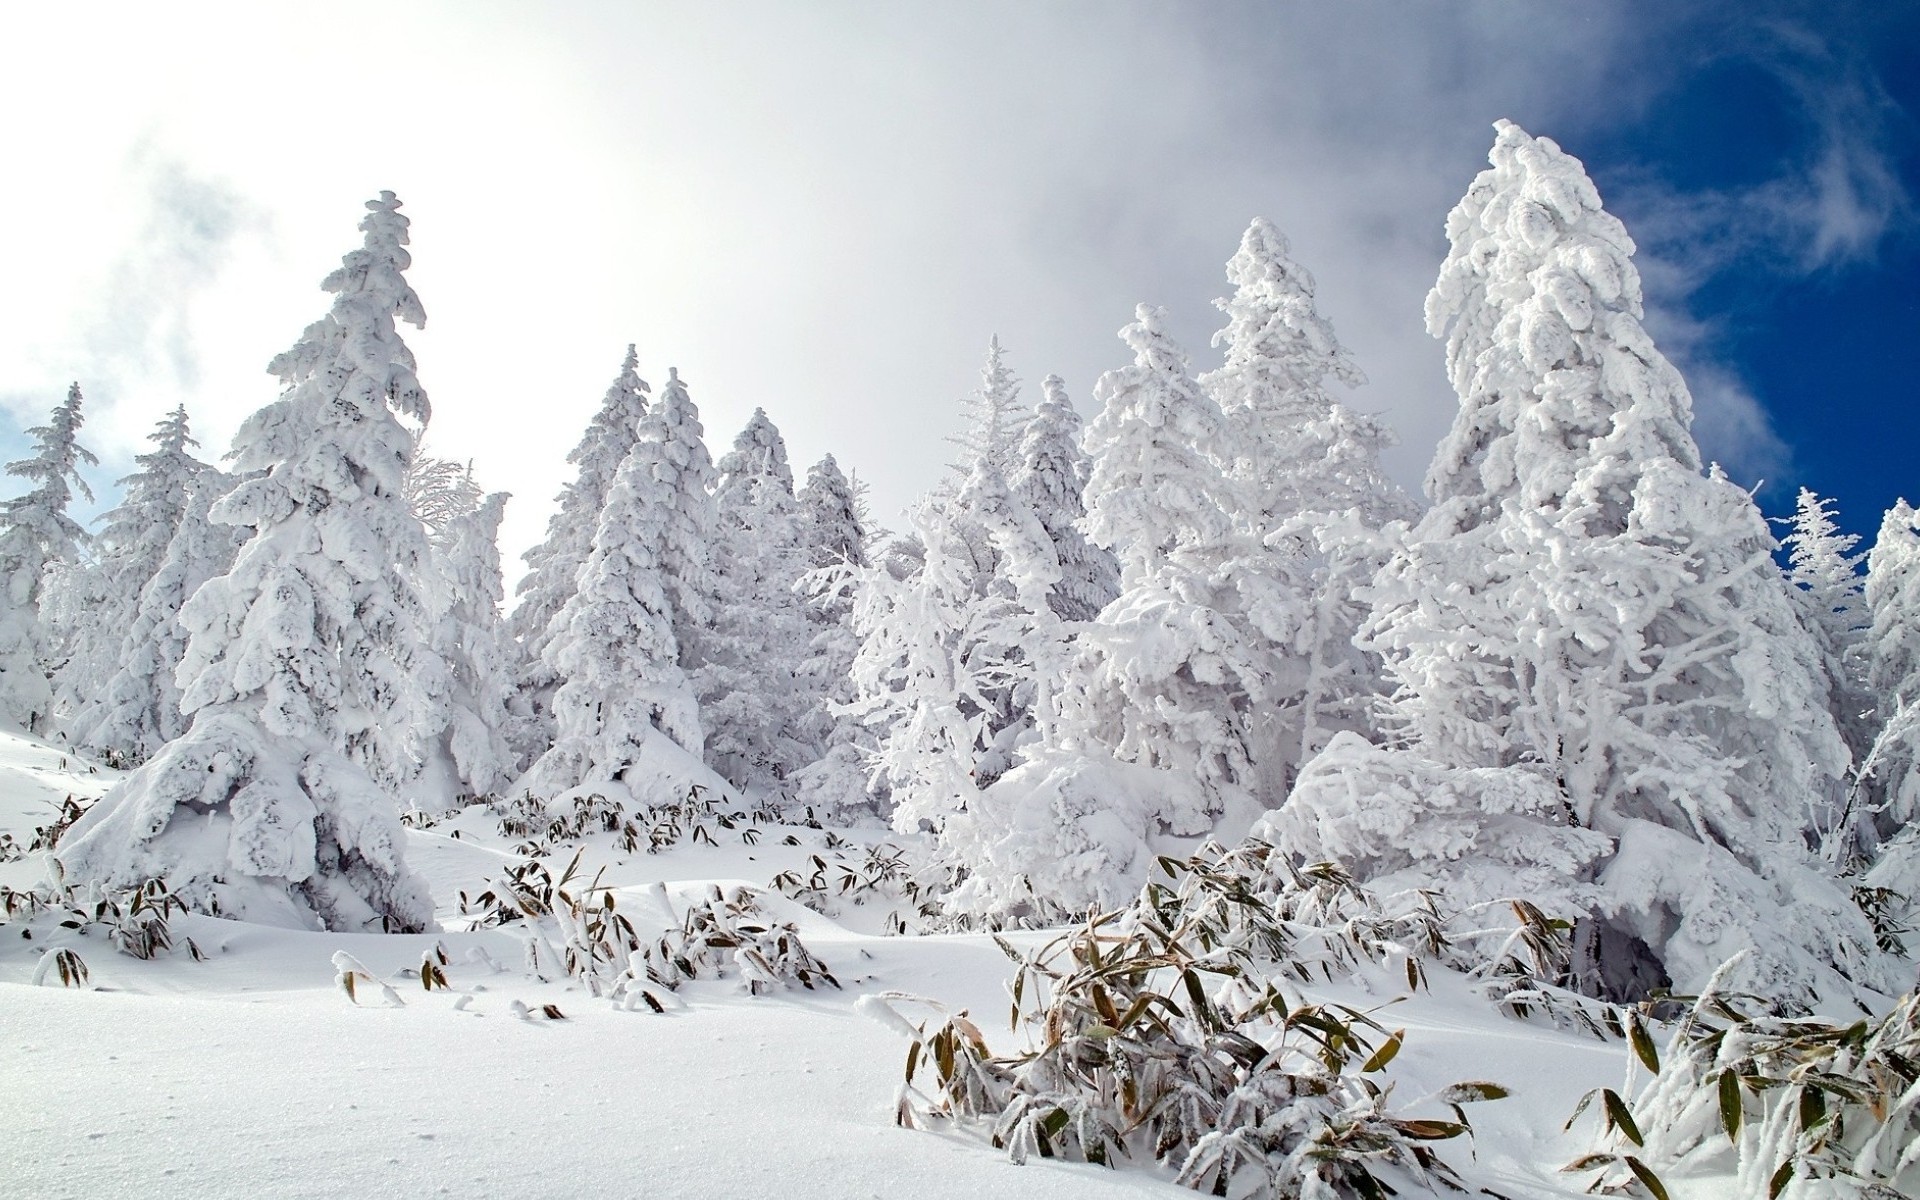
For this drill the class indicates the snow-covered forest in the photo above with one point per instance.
(1585, 764)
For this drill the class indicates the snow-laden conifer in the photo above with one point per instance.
(464, 728)
(994, 419)
(1824, 571)
(687, 519)
(35, 532)
(1049, 477)
(1170, 672)
(305, 659)
(101, 598)
(1308, 470)
(1890, 791)
(1605, 700)
(441, 491)
(614, 647)
(137, 711)
(553, 564)
(834, 537)
(753, 702)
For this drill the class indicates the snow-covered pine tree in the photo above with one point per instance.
(752, 701)
(834, 537)
(1824, 571)
(553, 565)
(469, 754)
(301, 670)
(614, 647)
(1168, 674)
(688, 523)
(99, 598)
(36, 532)
(1049, 477)
(1605, 701)
(1890, 770)
(138, 711)
(924, 674)
(1309, 469)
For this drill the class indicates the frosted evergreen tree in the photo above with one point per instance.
(464, 728)
(689, 523)
(1309, 469)
(1824, 571)
(36, 532)
(993, 418)
(752, 700)
(925, 674)
(1049, 477)
(1890, 771)
(305, 660)
(614, 646)
(834, 536)
(553, 565)
(100, 600)
(1604, 701)
(138, 711)
(1168, 675)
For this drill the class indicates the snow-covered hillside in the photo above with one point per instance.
(254, 1071)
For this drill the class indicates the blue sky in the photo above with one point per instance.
(826, 210)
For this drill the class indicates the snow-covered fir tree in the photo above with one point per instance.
(1605, 701)
(36, 532)
(464, 728)
(1824, 571)
(1049, 477)
(554, 564)
(138, 709)
(834, 536)
(688, 521)
(1308, 470)
(100, 597)
(753, 702)
(1169, 674)
(614, 647)
(306, 658)
(1889, 795)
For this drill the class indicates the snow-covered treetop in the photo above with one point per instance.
(1154, 447)
(1540, 305)
(759, 452)
(34, 526)
(348, 366)
(1277, 342)
(830, 517)
(992, 416)
(440, 490)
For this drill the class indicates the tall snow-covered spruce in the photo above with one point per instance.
(1312, 492)
(36, 532)
(753, 697)
(277, 803)
(554, 564)
(1049, 476)
(131, 549)
(1605, 701)
(1169, 673)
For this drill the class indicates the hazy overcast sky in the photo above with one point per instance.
(826, 209)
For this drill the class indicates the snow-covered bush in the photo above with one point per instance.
(1163, 1033)
(1794, 1108)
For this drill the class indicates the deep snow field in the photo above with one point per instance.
(253, 1072)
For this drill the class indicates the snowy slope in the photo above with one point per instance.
(253, 1072)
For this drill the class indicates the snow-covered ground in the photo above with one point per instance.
(253, 1072)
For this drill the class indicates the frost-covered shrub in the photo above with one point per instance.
(1796, 1108)
(1163, 1033)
